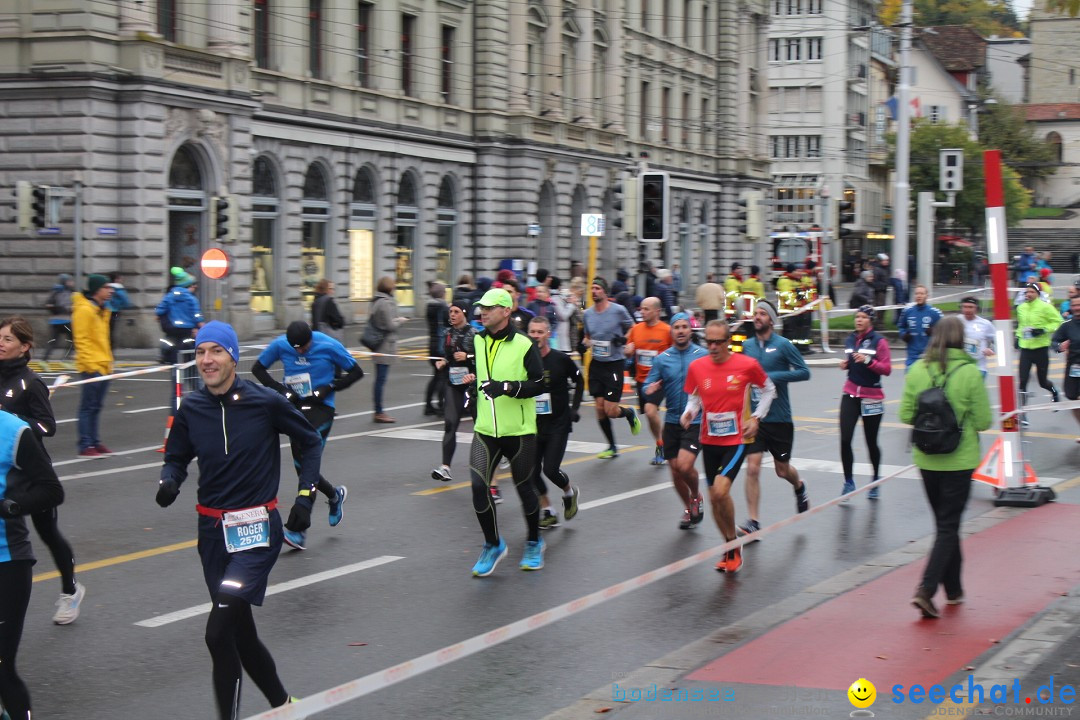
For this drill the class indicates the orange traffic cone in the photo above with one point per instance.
(627, 383)
(992, 468)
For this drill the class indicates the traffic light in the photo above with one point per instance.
(951, 169)
(654, 207)
(23, 197)
(844, 216)
(626, 206)
(751, 216)
(39, 205)
(225, 217)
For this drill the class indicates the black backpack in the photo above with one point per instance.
(936, 431)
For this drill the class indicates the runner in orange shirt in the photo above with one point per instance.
(644, 342)
(719, 387)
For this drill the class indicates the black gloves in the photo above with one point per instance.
(167, 492)
(300, 515)
(1016, 343)
(1037, 332)
(292, 397)
(496, 388)
(618, 340)
(9, 508)
(574, 416)
(322, 392)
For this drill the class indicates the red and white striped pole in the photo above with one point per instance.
(1013, 469)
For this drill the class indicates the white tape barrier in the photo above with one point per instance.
(115, 376)
(1043, 407)
(368, 684)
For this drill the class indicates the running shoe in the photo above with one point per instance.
(67, 607)
(548, 519)
(533, 559)
(1024, 422)
(687, 520)
(441, 473)
(337, 505)
(697, 509)
(489, 558)
(504, 464)
(926, 606)
(957, 599)
(849, 487)
(732, 562)
(102, 450)
(802, 499)
(634, 420)
(747, 528)
(874, 493)
(296, 540)
(496, 495)
(90, 452)
(1055, 394)
(608, 454)
(570, 505)
(658, 456)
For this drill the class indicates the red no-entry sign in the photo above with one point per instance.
(214, 264)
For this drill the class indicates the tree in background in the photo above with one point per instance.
(970, 210)
(987, 17)
(1072, 7)
(1003, 127)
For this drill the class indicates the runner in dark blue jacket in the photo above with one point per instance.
(232, 427)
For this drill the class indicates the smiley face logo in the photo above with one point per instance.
(862, 693)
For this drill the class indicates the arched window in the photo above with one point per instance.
(315, 216)
(362, 235)
(184, 173)
(264, 231)
(406, 221)
(447, 228)
(1054, 139)
(534, 83)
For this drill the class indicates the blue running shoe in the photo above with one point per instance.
(849, 487)
(533, 559)
(337, 509)
(874, 493)
(297, 540)
(489, 558)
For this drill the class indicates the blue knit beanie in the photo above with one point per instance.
(221, 334)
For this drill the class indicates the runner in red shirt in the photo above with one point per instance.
(719, 387)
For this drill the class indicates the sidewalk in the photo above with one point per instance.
(799, 656)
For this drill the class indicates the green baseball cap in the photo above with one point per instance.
(496, 297)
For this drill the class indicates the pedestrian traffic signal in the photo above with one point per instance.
(654, 207)
(23, 199)
(844, 217)
(39, 205)
(625, 205)
(225, 217)
(951, 170)
(751, 216)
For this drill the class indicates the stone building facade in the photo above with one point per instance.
(419, 140)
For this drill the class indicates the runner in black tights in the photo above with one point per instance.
(555, 416)
(34, 489)
(459, 365)
(867, 359)
(23, 393)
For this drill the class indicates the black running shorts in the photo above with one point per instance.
(776, 437)
(722, 460)
(676, 439)
(1072, 385)
(243, 574)
(606, 380)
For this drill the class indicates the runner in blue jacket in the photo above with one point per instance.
(916, 324)
(681, 447)
(232, 426)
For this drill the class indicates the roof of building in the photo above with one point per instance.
(957, 47)
(1041, 112)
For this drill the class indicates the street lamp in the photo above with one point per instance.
(974, 108)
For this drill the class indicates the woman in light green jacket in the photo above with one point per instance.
(947, 477)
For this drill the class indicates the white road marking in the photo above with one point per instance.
(624, 496)
(149, 409)
(465, 438)
(300, 582)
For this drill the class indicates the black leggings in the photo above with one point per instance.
(459, 404)
(1040, 358)
(435, 385)
(484, 458)
(16, 580)
(48, 528)
(59, 333)
(550, 450)
(324, 485)
(234, 648)
(850, 412)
